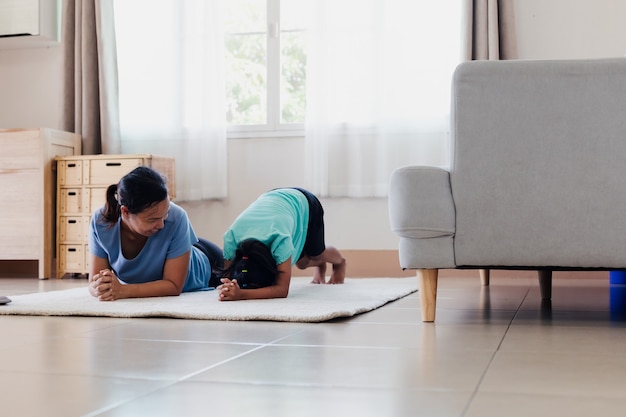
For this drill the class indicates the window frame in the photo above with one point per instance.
(273, 128)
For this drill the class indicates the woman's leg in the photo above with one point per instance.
(216, 259)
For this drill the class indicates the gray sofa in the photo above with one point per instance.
(537, 178)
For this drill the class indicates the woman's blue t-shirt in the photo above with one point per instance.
(176, 238)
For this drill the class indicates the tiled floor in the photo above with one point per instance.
(493, 351)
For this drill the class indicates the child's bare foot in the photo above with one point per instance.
(319, 277)
(339, 273)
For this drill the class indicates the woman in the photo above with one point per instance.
(143, 245)
(281, 228)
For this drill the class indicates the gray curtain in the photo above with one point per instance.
(489, 30)
(90, 102)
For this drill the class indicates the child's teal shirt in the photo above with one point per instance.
(278, 218)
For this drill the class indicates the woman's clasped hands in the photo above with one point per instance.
(105, 285)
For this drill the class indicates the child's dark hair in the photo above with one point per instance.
(253, 265)
(138, 190)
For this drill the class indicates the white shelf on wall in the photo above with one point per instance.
(30, 23)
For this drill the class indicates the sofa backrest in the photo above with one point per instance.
(538, 166)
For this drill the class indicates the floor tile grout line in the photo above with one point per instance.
(186, 377)
(495, 352)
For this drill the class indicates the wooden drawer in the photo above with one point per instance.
(81, 200)
(70, 173)
(108, 171)
(73, 229)
(70, 200)
(72, 258)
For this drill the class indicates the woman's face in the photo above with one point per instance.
(149, 221)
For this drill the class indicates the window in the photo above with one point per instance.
(265, 66)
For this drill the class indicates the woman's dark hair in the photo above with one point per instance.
(253, 265)
(138, 190)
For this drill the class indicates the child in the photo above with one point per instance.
(281, 228)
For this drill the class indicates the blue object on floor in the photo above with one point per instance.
(617, 277)
(617, 295)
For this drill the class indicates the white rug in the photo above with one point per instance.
(306, 303)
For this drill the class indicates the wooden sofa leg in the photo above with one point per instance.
(428, 292)
(484, 276)
(545, 284)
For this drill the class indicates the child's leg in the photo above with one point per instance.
(334, 257)
(314, 243)
(330, 255)
(319, 276)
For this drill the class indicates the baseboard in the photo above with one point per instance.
(19, 269)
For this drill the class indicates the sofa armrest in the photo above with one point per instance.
(420, 203)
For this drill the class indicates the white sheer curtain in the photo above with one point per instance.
(172, 89)
(378, 90)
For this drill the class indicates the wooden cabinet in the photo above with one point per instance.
(27, 181)
(81, 189)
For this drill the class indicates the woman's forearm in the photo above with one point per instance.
(160, 288)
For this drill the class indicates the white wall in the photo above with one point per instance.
(30, 96)
(30, 87)
(569, 29)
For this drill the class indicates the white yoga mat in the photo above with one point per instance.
(306, 302)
